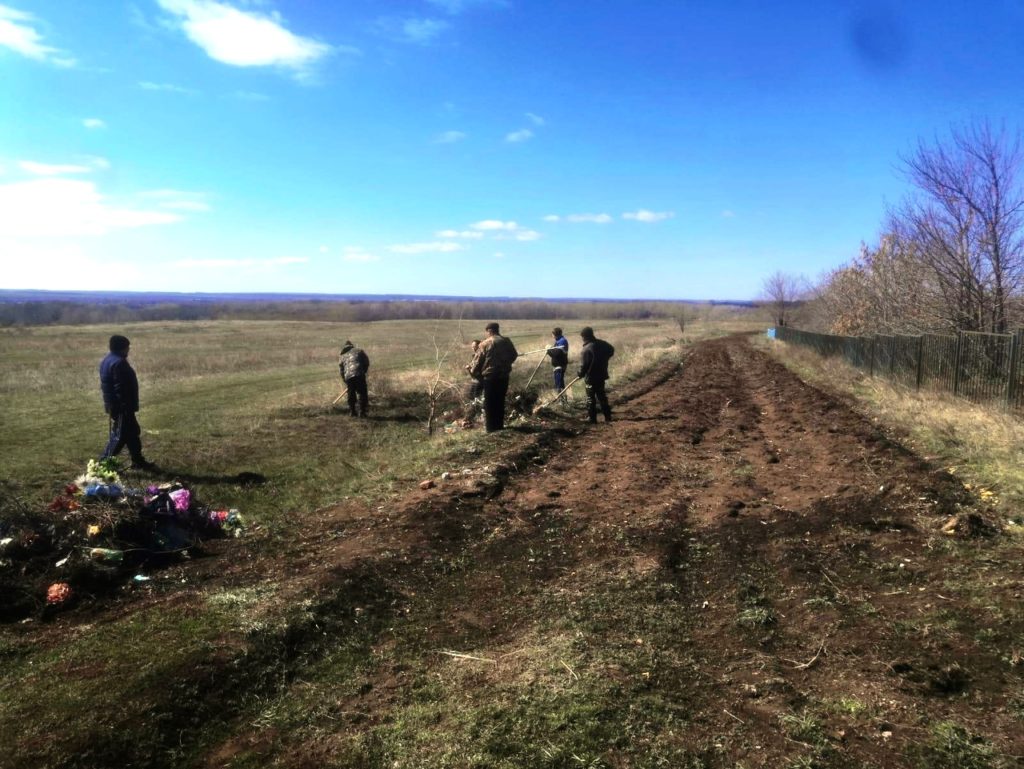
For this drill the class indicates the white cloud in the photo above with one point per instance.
(178, 200)
(18, 34)
(357, 254)
(449, 137)
(727, 214)
(245, 264)
(93, 123)
(494, 224)
(526, 235)
(57, 207)
(522, 135)
(147, 85)
(251, 96)
(591, 218)
(455, 7)
(422, 31)
(245, 38)
(52, 169)
(323, 249)
(436, 247)
(535, 119)
(644, 215)
(552, 218)
(64, 266)
(467, 234)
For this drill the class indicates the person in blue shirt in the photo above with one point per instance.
(559, 354)
(120, 388)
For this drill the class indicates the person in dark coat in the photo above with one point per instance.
(493, 365)
(120, 388)
(559, 354)
(353, 365)
(594, 372)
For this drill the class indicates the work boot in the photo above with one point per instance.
(142, 464)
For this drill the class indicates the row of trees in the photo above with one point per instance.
(34, 313)
(951, 255)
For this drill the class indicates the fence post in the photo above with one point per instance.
(892, 359)
(871, 356)
(1011, 380)
(920, 362)
(957, 357)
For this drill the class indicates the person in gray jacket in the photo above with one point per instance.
(353, 365)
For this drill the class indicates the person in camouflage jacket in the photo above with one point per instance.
(353, 365)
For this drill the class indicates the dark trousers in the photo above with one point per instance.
(495, 390)
(124, 431)
(596, 395)
(559, 379)
(357, 389)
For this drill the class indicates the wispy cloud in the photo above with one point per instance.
(93, 123)
(435, 247)
(18, 34)
(490, 225)
(727, 214)
(178, 200)
(535, 119)
(467, 234)
(58, 207)
(578, 218)
(648, 217)
(526, 235)
(53, 169)
(246, 38)
(412, 29)
(357, 254)
(147, 85)
(247, 264)
(251, 96)
(449, 137)
(522, 135)
(455, 7)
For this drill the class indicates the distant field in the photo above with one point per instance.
(223, 397)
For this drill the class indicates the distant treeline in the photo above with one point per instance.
(43, 312)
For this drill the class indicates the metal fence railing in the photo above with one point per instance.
(983, 368)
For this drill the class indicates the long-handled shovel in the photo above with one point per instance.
(563, 392)
(343, 394)
(530, 380)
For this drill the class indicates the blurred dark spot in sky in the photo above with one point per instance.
(880, 38)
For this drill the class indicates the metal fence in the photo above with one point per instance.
(983, 368)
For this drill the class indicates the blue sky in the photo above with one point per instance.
(487, 147)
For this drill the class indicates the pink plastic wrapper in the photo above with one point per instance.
(182, 499)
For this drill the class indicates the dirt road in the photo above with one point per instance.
(739, 570)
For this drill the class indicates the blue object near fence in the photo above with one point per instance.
(771, 333)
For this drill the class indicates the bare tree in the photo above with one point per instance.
(965, 222)
(780, 292)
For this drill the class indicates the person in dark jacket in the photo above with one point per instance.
(120, 388)
(559, 354)
(493, 365)
(594, 372)
(353, 365)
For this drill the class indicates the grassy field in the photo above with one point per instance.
(222, 398)
(219, 399)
